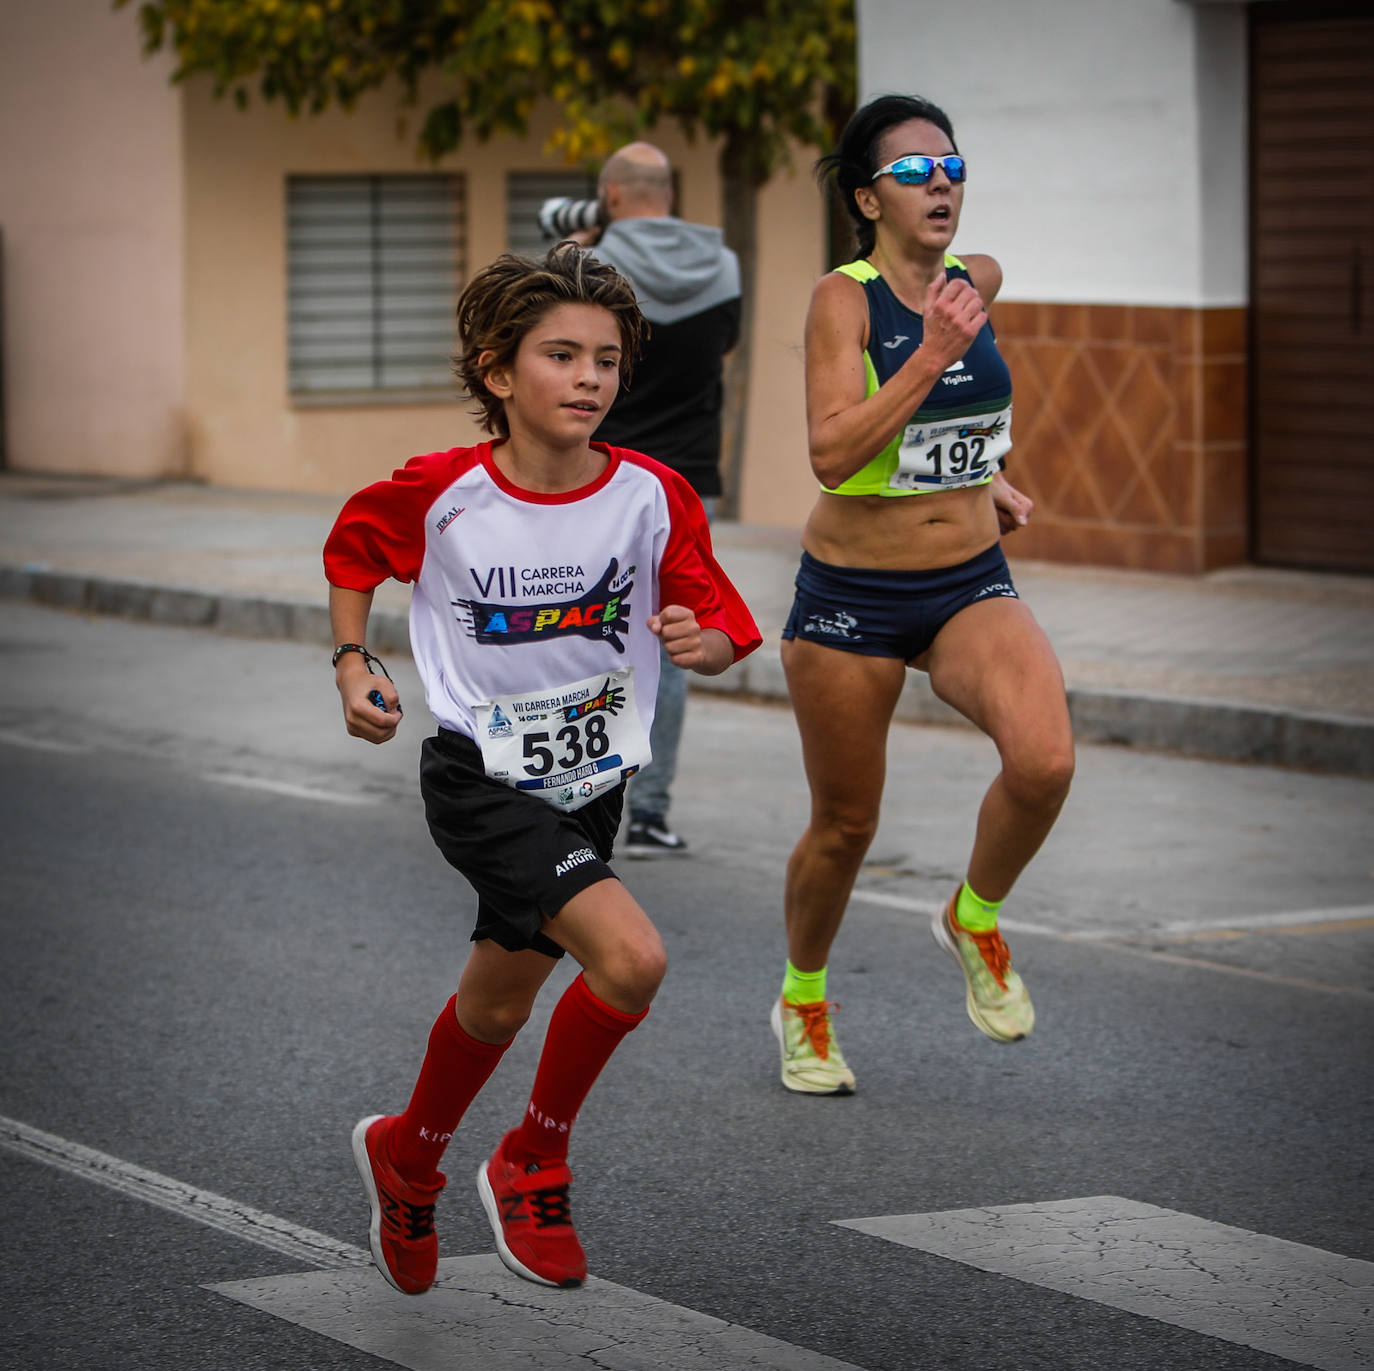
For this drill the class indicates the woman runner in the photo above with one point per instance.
(909, 422)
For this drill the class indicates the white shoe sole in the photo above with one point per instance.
(374, 1228)
(939, 930)
(512, 1262)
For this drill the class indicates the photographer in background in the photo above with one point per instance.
(688, 287)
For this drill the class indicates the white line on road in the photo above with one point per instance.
(1244, 972)
(17, 739)
(918, 906)
(1275, 1296)
(1297, 918)
(1293, 919)
(191, 1202)
(908, 902)
(290, 789)
(501, 1322)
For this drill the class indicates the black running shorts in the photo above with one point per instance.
(889, 613)
(523, 857)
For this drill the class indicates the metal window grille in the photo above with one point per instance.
(526, 191)
(373, 267)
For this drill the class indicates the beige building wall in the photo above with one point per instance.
(776, 484)
(90, 207)
(145, 272)
(246, 430)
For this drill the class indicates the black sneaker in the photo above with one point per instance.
(650, 838)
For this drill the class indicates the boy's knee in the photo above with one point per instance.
(495, 1021)
(635, 972)
(646, 967)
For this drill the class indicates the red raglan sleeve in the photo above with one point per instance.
(380, 532)
(689, 573)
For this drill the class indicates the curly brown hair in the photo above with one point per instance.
(507, 298)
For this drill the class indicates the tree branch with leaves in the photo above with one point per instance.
(756, 75)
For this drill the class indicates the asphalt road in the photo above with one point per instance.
(226, 934)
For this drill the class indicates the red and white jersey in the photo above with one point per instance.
(522, 592)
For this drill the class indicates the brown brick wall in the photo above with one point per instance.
(1130, 433)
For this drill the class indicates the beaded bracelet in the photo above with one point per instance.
(367, 657)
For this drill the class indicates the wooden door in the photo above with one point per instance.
(1312, 285)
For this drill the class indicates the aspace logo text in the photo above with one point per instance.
(601, 612)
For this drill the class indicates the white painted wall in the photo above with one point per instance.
(1106, 138)
(1223, 165)
(91, 207)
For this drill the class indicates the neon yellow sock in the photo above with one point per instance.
(974, 912)
(803, 987)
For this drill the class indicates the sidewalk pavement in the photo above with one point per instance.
(1248, 664)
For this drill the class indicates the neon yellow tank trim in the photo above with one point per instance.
(873, 478)
(864, 270)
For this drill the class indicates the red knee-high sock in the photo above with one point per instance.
(455, 1068)
(583, 1032)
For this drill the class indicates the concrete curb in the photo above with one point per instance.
(1225, 732)
(1211, 729)
(243, 616)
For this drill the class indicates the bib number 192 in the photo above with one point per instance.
(962, 457)
(952, 452)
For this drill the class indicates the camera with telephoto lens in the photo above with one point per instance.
(563, 215)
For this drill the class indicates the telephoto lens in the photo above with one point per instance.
(563, 215)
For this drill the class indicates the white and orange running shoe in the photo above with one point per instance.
(812, 1063)
(997, 1001)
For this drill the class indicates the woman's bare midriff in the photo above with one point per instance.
(903, 532)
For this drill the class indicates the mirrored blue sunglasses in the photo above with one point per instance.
(916, 169)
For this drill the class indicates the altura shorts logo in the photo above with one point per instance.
(601, 612)
(573, 860)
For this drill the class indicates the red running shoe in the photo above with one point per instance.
(401, 1235)
(528, 1209)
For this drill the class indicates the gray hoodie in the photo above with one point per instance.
(677, 268)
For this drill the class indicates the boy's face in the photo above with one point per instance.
(564, 377)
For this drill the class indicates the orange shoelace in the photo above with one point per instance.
(993, 951)
(815, 1019)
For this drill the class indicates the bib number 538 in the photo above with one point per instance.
(567, 747)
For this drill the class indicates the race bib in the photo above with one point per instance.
(951, 453)
(568, 744)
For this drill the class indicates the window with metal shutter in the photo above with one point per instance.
(373, 265)
(525, 192)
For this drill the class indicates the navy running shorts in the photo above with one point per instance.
(523, 857)
(879, 613)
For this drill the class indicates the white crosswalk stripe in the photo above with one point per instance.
(1266, 1293)
(501, 1322)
